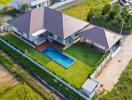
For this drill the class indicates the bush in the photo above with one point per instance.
(24, 7)
(102, 58)
(116, 10)
(107, 9)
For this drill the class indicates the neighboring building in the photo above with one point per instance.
(41, 24)
(33, 3)
(39, 3)
(101, 38)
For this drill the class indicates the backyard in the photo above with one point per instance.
(86, 58)
(81, 10)
(3, 2)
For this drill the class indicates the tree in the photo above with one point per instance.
(24, 7)
(52, 2)
(116, 10)
(90, 14)
(125, 12)
(107, 9)
(129, 23)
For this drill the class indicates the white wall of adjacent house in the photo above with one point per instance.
(36, 3)
(40, 3)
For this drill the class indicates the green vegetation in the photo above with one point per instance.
(101, 13)
(123, 89)
(32, 68)
(23, 76)
(107, 9)
(3, 2)
(114, 19)
(102, 58)
(21, 91)
(84, 53)
(24, 7)
(77, 74)
(81, 10)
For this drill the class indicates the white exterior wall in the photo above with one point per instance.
(37, 3)
(16, 30)
(30, 38)
(42, 3)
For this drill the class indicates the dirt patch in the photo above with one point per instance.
(6, 77)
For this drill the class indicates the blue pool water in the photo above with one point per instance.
(57, 56)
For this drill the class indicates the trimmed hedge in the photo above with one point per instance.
(102, 58)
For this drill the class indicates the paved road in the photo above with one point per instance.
(110, 75)
(69, 4)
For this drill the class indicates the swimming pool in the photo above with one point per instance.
(57, 56)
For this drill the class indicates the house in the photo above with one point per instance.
(44, 24)
(33, 3)
(101, 38)
(41, 24)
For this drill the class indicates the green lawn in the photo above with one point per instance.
(84, 53)
(86, 57)
(123, 89)
(81, 10)
(3, 2)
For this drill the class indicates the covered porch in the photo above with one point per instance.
(45, 44)
(102, 39)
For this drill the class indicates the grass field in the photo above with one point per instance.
(20, 91)
(17, 72)
(123, 89)
(81, 10)
(77, 74)
(13, 88)
(3, 2)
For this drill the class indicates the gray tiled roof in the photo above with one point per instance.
(45, 18)
(101, 36)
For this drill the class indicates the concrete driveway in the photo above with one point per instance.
(111, 73)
